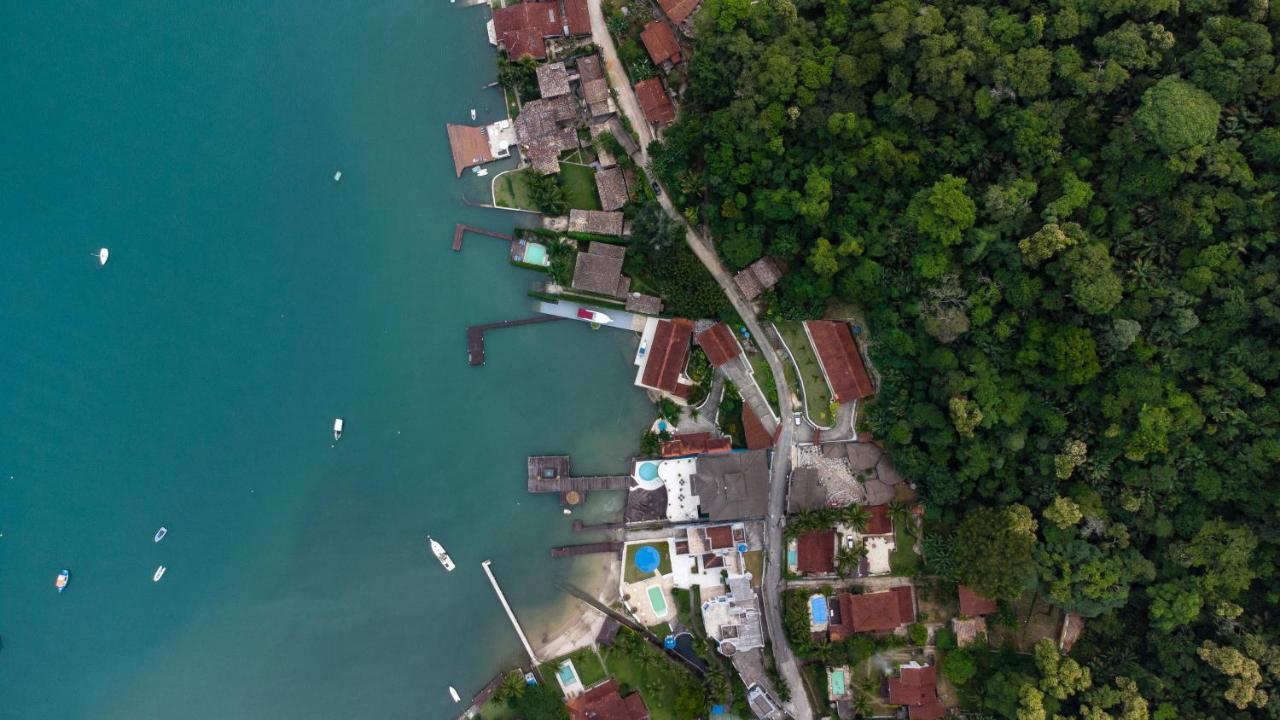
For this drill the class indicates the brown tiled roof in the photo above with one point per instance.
(719, 537)
(599, 270)
(470, 146)
(644, 304)
(880, 611)
(758, 438)
(539, 133)
(595, 89)
(612, 188)
(521, 29)
(667, 354)
(719, 344)
(973, 605)
(766, 272)
(880, 522)
(595, 221)
(917, 689)
(661, 43)
(678, 10)
(654, 101)
(603, 702)
(695, 444)
(747, 283)
(816, 552)
(577, 17)
(553, 80)
(840, 360)
(928, 711)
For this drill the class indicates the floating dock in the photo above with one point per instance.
(533, 659)
(475, 334)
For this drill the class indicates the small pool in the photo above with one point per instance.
(792, 557)
(818, 609)
(657, 601)
(837, 682)
(648, 471)
(536, 254)
(566, 673)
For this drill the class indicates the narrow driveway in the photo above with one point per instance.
(618, 78)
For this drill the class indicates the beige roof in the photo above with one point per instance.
(641, 303)
(758, 277)
(599, 271)
(612, 188)
(595, 221)
(540, 134)
(747, 283)
(553, 80)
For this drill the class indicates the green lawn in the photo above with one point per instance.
(754, 560)
(512, 190)
(660, 681)
(764, 378)
(817, 396)
(904, 560)
(585, 661)
(632, 574)
(579, 183)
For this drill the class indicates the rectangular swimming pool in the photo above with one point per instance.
(657, 601)
(818, 609)
(566, 673)
(536, 254)
(837, 683)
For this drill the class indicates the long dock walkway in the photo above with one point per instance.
(586, 549)
(461, 229)
(475, 334)
(511, 615)
(580, 483)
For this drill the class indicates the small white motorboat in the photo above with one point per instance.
(453, 693)
(161, 533)
(482, 173)
(337, 176)
(593, 316)
(103, 255)
(159, 574)
(337, 428)
(473, 113)
(440, 554)
(63, 578)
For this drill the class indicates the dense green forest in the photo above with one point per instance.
(1058, 220)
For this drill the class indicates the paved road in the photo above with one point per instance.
(618, 78)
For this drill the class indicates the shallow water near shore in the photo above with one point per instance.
(192, 382)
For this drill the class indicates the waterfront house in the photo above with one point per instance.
(553, 80)
(703, 443)
(545, 128)
(599, 271)
(878, 613)
(522, 29)
(758, 277)
(653, 100)
(840, 360)
(606, 702)
(662, 356)
(612, 187)
(916, 688)
(661, 43)
(722, 487)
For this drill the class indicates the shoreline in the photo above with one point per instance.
(570, 624)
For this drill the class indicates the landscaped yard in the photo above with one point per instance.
(754, 560)
(631, 573)
(669, 690)
(512, 190)
(585, 662)
(764, 378)
(579, 183)
(904, 560)
(817, 396)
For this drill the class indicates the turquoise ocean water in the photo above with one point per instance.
(249, 300)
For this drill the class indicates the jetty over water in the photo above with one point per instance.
(459, 230)
(551, 473)
(586, 549)
(475, 335)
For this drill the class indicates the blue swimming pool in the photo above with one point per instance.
(648, 559)
(648, 471)
(792, 557)
(818, 609)
(566, 673)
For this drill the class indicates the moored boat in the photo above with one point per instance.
(453, 693)
(337, 429)
(593, 316)
(441, 555)
(158, 574)
(161, 533)
(337, 176)
(103, 254)
(64, 577)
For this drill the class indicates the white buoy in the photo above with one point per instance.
(337, 176)
(103, 254)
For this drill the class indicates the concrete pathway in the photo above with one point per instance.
(618, 78)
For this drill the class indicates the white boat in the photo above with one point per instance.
(63, 578)
(103, 254)
(161, 533)
(337, 428)
(453, 693)
(473, 113)
(593, 316)
(159, 574)
(482, 173)
(440, 554)
(337, 176)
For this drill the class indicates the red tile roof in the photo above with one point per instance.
(575, 14)
(719, 344)
(880, 523)
(667, 355)
(521, 29)
(928, 711)
(881, 611)
(840, 360)
(603, 702)
(758, 438)
(661, 43)
(696, 444)
(654, 101)
(917, 689)
(678, 10)
(816, 552)
(974, 605)
(720, 537)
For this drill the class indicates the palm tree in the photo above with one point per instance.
(512, 687)
(856, 517)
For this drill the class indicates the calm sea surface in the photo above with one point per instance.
(249, 300)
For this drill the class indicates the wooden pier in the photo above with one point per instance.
(475, 334)
(533, 659)
(586, 549)
(550, 473)
(459, 230)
